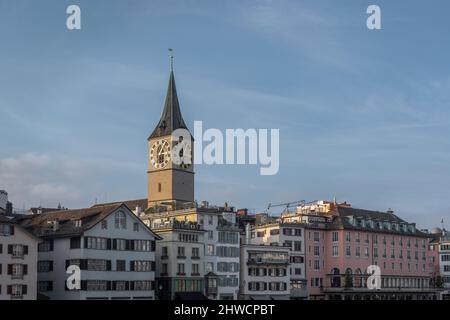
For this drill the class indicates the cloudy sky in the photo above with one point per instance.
(363, 115)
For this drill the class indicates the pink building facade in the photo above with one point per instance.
(341, 242)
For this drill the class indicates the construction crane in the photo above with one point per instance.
(286, 205)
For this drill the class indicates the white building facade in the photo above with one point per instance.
(221, 254)
(18, 262)
(113, 250)
(264, 273)
(179, 260)
(289, 236)
(444, 264)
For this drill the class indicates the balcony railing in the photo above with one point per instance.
(267, 261)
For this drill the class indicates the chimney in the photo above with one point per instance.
(138, 211)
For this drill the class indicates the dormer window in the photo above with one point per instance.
(78, 223)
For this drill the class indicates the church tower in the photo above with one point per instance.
(170, 182)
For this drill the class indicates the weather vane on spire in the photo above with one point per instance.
(171, 58)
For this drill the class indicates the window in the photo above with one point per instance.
(195, 253)
(316, 265)
(96, 243)
(17, 290)
(45, 266)
(120, 265)
(44, 286)
(75, 242)
(6, 230)
(335, 236)
(136, 227)
(105, 224)
(120, 220)
(227, 251)
(357, 237)
(17, 271)
(180, 269)
(98, 265)
(159, 187)
(287, 243)
(180, 253)
(142, 245)
(335, 251)
(287, 231)
(120, 244)
(195, 269)
(297, 246)
(142, 266)
(210, 234)
(210, 250)
(96, 285)
(164, 253)
(358, 251)
(366, 251)
(298, 232)
(347, 237)
(45, 246)
(164, 269)
(316, 236)
(142, 285)
(119, 285)
(231, 237)
(209, 267)
(17, 250)
(347, 251)
(297, 259)
(316, 251)
(188, 237)
(210, 220)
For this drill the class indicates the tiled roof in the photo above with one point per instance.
(342, 220)
(41, 224)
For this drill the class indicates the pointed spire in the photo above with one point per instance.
(171, 118)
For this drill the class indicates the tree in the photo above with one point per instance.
(348, 281)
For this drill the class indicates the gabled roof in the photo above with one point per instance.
(14, 221)
(171, 118)
(66, 220)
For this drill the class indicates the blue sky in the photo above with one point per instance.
(363, 115)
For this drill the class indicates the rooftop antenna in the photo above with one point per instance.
(171, 58)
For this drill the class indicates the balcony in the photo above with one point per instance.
(195, 258)
(181, 274)
(181, 257)
(195, 274)
(267, 261)
(164, 257)
(17, 255)
(17, 276)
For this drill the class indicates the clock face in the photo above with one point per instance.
(160, 154)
